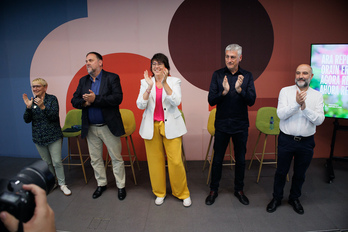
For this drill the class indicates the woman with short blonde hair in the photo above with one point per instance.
(43, 113)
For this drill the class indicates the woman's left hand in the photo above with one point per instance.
(39, 102)
(165, 74)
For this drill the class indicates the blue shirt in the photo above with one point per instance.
(95, 114)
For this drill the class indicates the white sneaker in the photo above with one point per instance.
(65, 190)
(159, 200)
(187, 202)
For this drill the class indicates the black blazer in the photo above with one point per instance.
(109, 98)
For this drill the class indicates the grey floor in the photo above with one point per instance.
(326, 205)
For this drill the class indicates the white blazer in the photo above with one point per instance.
(173, 121)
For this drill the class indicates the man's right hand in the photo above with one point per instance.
(226, 86)
(148, 79)
(26, 100)
(301, 97)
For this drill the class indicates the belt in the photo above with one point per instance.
(99, 125)
(297, 138)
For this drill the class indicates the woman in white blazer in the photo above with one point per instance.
(161, 128)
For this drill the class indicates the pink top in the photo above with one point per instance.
(159, 113)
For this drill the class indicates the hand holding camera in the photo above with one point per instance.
(43, 218)
(23, 199)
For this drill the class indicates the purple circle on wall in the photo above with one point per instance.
(200, 31)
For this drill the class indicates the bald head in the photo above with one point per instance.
(305, 66)
(303, 76)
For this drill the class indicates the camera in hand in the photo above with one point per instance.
(19, 202)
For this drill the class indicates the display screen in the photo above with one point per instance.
(10, 198)
(330, 69)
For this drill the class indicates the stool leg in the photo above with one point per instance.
(261, 161)
(206, 156)
(69, 152)
(211, 164)
(107, 161)
(82, 163)
(131, 161)
(253, 156)
(231, 157)
(135, 154)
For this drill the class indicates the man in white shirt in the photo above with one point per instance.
(300, 109)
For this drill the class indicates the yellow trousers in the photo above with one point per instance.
(156, 148)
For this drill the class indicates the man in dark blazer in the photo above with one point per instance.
(99, 95)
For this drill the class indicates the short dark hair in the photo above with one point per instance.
(159, 57)
(99, 57)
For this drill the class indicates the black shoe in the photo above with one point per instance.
(211, 198)
(122, 194)
(241, 197)
(98, 192)
(272, 206)
(296, 205)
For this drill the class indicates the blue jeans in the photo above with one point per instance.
(302, 153)
(220, 145)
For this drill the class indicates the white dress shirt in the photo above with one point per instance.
(293, 120)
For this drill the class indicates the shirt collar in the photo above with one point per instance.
(98, 77)
(239, 71)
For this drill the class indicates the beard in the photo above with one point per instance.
(90, 70)
(305, 83)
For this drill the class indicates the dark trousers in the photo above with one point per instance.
(302, 153)
(220, 145)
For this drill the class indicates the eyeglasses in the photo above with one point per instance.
(36, 86)
(157, 63)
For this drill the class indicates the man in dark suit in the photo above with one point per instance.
(99, 95)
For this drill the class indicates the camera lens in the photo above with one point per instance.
(39, 174)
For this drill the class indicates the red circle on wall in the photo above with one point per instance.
(130, 67)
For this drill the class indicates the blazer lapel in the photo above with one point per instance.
(103, 82)
(153, 90)
(164, 93)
